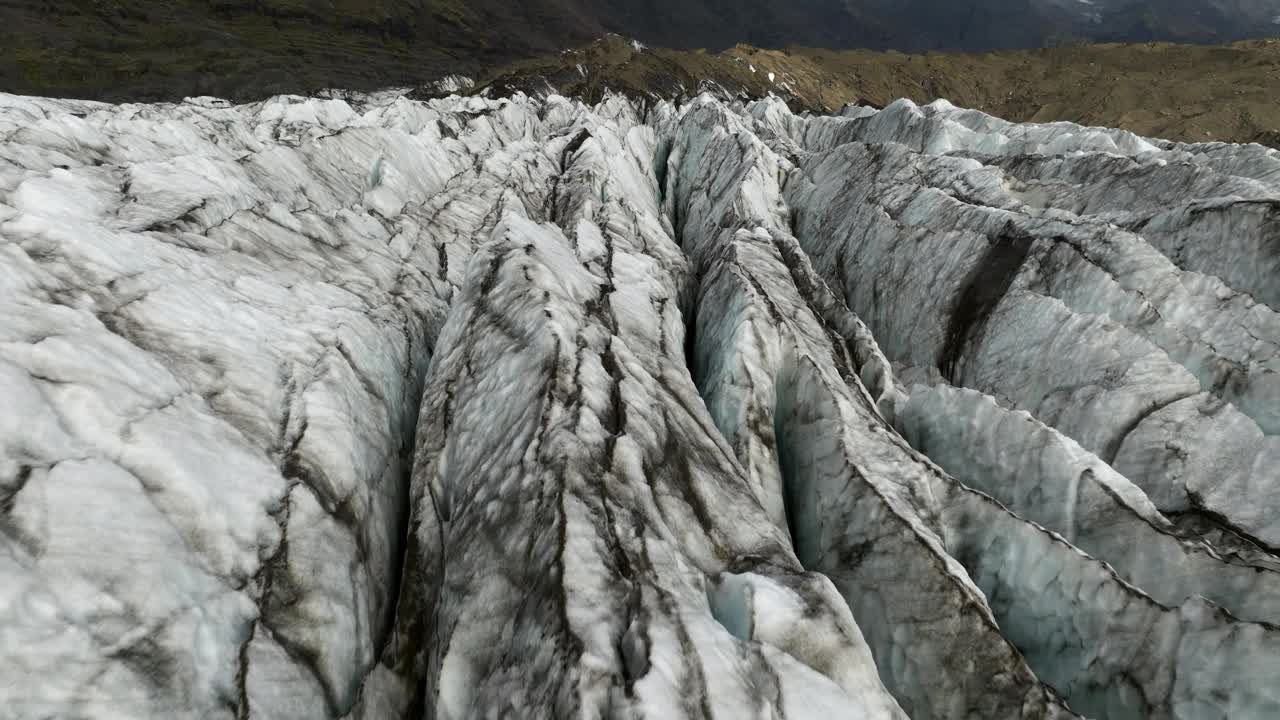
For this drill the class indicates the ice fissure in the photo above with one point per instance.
(522, 407)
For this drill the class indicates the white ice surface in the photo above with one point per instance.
(342, 406)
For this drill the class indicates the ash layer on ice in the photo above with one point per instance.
(378, 408)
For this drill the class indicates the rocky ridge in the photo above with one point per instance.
(1179, 92)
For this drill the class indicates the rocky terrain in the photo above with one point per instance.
(374, 407)
(1179, 92)
(247, 50)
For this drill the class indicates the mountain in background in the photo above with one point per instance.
(243, 49)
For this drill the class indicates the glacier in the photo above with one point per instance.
(367, 406)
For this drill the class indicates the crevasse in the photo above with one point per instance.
(377, 408)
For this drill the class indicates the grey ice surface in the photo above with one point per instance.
(365, 407)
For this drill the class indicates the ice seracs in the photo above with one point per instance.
(367, 407)
(1088, 326)
(594, 548)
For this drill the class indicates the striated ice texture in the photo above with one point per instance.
(365, 407)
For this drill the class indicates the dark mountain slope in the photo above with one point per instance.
(164, 49)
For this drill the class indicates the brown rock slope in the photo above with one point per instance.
(1179, 92)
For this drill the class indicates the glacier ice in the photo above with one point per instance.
(1049, 479)
(370, 407)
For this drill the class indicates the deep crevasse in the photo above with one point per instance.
(372, 407)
